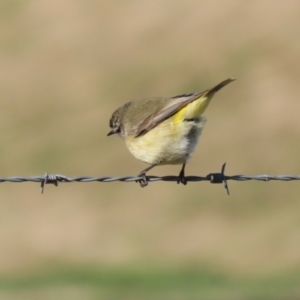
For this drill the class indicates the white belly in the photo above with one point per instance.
(167, 144)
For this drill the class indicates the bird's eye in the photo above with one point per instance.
(116, 127)
(119, 131)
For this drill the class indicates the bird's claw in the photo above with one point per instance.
(143, 181)
(181, 179)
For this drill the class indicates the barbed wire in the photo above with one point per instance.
(211, 177)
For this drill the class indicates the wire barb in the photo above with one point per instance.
(219, 178)
(52, 179)
(49, 179)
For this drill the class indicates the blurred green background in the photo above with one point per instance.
(65, 67)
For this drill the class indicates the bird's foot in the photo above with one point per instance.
(143, 181)
(181, 178)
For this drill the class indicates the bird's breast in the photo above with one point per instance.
(170, 142)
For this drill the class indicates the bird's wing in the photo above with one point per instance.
(171, 107)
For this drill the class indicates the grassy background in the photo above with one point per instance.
(65, 67)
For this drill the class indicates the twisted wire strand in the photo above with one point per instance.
(212, 177)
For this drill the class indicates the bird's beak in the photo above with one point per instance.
(111, 132)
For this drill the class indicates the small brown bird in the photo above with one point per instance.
(163, 130)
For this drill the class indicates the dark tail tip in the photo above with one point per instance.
(221, 85)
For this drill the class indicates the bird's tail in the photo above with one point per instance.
(197, 107)
(219, 86)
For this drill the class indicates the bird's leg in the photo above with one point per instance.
(181, 177)
(144, 181)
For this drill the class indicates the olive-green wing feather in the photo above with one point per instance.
(172, 106)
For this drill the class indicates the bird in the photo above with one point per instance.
(163, 130)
